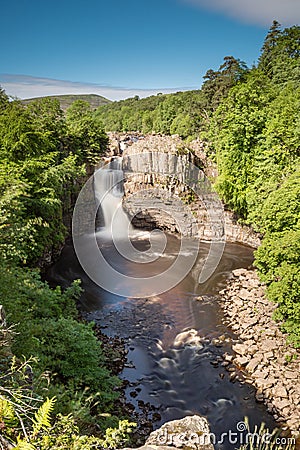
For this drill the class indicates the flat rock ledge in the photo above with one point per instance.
(261, 352)
(191, 432)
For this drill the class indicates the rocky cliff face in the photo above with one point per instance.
(167, 187)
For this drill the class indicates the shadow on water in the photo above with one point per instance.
(172, 356)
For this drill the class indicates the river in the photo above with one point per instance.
(175, 340)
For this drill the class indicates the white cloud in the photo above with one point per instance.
(25, 86)
(261, 12)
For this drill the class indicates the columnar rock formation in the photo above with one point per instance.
(160, 190)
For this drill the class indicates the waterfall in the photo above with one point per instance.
(108, 185)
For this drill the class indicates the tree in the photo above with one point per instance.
(278, 262)
(3, 99)
(235, 131)
(267, 52)
(47, 116)
(217, 84)
(19, 138)
(85, 130)
(280, 58)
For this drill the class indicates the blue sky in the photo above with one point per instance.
(122, 48)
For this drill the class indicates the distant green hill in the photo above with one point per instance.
(67, 100)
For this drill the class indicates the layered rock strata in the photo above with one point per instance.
(167, 187)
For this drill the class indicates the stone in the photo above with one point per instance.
(241, 349)
(228, 358)
(232, 376)
(281, 404)
(269, 345)
(280, 391)
(252, 349)
(242, 360)
(190, 432)
(259, 396)
(244, 294)
(240, 272)
(260, 374)
(249, 322)
(291, 375)
(268, 356)
(265, 383)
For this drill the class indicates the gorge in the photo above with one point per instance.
(161, 305)
(177, 340)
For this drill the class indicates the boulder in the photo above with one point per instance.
(240, 349)
(191, 432)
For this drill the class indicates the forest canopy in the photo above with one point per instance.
(56, 390)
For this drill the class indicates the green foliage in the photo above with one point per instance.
(18, 400)
(235, 132)
(278, 261)
(41, 432)
(8, 419)
(47, 116)
(19, 138)
(116, 436)
(280, 210)
(86, 132)
(181, 113)
(47, 329)
(3, 99)
(64, 434)
(280, 54)
(66, 353)
(218, 83)
(42, 160)
(41, 419)
(255, 136)
(30, 423)
(72, 353)
(32, 299)
(50, 353)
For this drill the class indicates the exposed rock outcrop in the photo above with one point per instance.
(161, 191)
(191, 432)
(268, 362)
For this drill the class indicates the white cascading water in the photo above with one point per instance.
(108, 182)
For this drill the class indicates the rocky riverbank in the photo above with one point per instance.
(262, 353)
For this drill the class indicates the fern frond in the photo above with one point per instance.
(42, 416)
(24, 445)
(7, 411)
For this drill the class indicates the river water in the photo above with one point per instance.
(175, 340)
